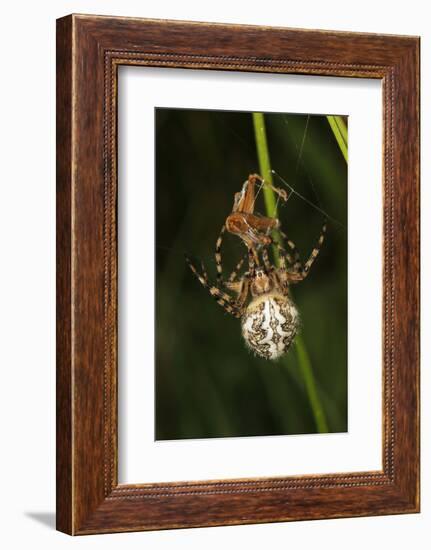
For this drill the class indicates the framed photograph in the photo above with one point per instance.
(237, 274)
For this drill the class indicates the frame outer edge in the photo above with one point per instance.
(81, 507)
(407, 273)
(64, 369)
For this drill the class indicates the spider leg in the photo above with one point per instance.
(232, 284)
(253, 260)
(266, 261)
(204, 272)
(235, 287)
(283, 273)
(280, 276)
(282, 255)
(297, 275)
(243, 294)
(218, 254)
(294, 259)
(234, 273)
(315, 251)
(221, 297)
(241, 289)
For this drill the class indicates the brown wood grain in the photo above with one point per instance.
(89, 51)
(63, 289)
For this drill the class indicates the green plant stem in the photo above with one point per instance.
(265, 171)
(339, 129)
(310, 384)
(271, 210)
(264, 163)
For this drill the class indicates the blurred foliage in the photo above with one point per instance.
(207, 383)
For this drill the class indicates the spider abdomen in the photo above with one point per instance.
(269, 325)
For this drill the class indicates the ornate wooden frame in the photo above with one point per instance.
(89, 51)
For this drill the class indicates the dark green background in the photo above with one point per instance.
(207, 383)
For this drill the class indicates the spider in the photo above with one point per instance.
(260, 297)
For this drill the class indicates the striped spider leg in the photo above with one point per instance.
(221, 297)
(218, 259)
(239, 287)
(296, 271)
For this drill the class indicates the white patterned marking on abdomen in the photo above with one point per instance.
(269, 325)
